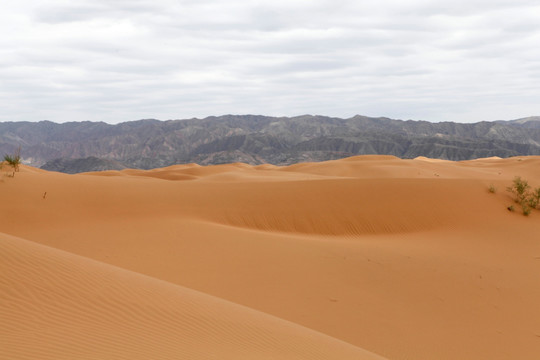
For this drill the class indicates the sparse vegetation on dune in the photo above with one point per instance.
(523, 195)
(14, 160)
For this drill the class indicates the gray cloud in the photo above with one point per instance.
(121, 60)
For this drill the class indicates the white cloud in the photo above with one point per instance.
(121, 60)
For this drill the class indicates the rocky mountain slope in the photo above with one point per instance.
(260, 139)
(74, 166)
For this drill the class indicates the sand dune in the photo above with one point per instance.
(56, 305)
(408, 259)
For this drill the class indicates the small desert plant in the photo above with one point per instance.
(520, 189)
(511, 208)
(534, 198)
(14, 160)
(492, 189)
(527, 199)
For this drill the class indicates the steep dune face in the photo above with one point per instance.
(404, 258)
(56, 305)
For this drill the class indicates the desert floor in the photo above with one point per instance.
(369, 257)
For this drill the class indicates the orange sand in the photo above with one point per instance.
(406, 259)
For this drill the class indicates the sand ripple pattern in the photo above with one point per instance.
(55, 305)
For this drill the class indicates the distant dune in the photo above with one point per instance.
(368, 257)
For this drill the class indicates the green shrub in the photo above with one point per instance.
(520, 189)
(492, 189)
(525, 208)
(534, 198)
(527, 199)
(14, 160)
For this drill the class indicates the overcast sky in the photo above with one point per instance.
(121, 60)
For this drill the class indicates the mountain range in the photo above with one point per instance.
(87, 146)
